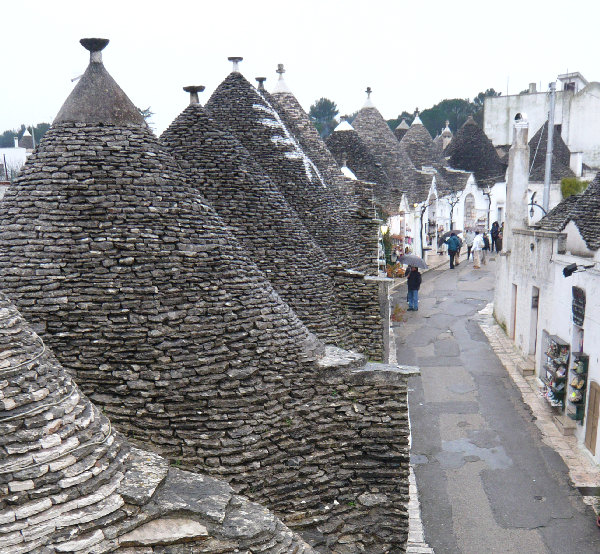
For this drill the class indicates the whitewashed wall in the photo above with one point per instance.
(542, 267)
(579, 115)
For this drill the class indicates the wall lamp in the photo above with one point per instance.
(572, 268)
(534, 203)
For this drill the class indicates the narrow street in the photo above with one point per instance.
(487, 483)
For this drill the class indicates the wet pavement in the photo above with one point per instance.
(488, 479)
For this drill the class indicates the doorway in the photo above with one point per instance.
(593, 413)
(535, 302)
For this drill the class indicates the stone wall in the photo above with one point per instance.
(70, 483)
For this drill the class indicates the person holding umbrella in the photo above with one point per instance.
(414, 284)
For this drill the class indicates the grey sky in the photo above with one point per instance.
(412, 54)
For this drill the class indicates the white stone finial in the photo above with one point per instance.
(281, 85)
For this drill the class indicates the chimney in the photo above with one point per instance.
(194, 90)
(16, 142)
(235, 60)
(261, 82)
(532, 88)
(576, 163)
(95, 47)
(517, 180)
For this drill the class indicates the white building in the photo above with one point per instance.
(543, 310)
(576, 115)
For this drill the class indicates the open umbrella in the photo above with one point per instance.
(412, 260)
(442, 238)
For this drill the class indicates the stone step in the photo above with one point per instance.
(564, 424)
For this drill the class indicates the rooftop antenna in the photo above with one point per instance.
(236, 60)
(194, 90)
(261, 82)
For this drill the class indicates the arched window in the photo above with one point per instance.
(470, 213)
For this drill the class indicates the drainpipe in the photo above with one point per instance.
(548, 172)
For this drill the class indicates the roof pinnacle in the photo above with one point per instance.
(95, 47)
(194, 90)
(261, 82)
(236, 60)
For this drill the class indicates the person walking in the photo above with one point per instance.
(477, 250)
(457, 256)
(453, 245)
(494, 232)
(486, 249)
(414, 284)
(469, 236)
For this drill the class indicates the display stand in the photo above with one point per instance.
(577, 386)
(555, 368)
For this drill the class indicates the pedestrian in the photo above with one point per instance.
(414, 284)
(477, 250)
(486, 249)
(501, 236)
(453, 245)
(469, 236)
(460, 245)
(494, 232)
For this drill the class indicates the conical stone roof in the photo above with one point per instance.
(73, 484)
(258, 215)
(583, 210)
(419, 145)
(303, 129)
(376, 134)
(471, 150)
(140, 289)
(561, 156)
(348, 149)
(243, 110)
(401, 129)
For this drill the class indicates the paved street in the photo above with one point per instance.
(487, 480)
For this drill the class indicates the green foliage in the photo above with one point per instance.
(393, 123)
(387, 245)
(572, 185)
(7, 138)
(454, 110)
(323, 113)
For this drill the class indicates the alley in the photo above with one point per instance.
(487, 483)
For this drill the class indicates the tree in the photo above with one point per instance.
(393, 123)
(572, 185)
(7, 138)
(454, 110)
(147, 115)
(479, 102)
(323, 113)
(453, 199)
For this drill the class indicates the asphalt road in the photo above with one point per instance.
(487, 484)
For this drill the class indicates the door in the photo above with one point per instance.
(535, 302)
(591, 430)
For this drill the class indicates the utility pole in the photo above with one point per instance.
(550, 145)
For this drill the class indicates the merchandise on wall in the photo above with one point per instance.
(555, 371)
(577, 386)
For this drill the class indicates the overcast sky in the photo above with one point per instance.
(412, 54)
